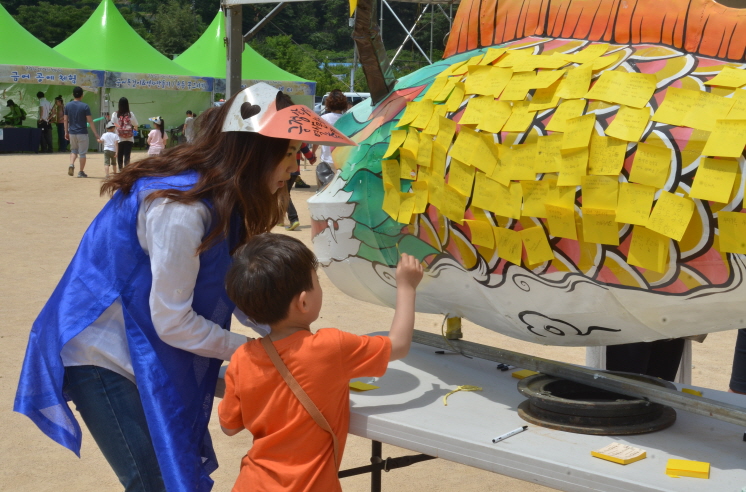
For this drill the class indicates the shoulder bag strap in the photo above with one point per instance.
(304, 399)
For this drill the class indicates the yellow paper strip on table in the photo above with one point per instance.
(433, 125)
(578, 132)
(727, 139)
(548, 155)
(537, 246)
(600, 192)
(561, 221)
(518, 86)
(671, 215)
(566, 110)
(456, 98)
(520, 119)
(738, 110)
(492, 55)
(522, 162)
(391, 201)
(391, 173)
(648, 249)
(412, 142)
(545, 98)
(534, 198)
(495, 117)
(435, 190)
(630, 89)
(486, 191)
(446, 130)
(619, 453)
(561, 196)
(438, 161)
(706, 110)
(573, 166)
(629, 123)
(588, 54)
(408, 164)
(523, 374)
(406, 207)
(421, 196)
(471, 149)
(509, 244)
(675, 106)
(446, 91)
(360, 386)
(606, 155)
(438, 85)
(546, 78)
(476, 110)
(410, 113)
(600, 226)
(397, 139)
(453, 204)
(508, 200)
(651, 165)
(576, 83)
(686, 468)
(461, 177)
(481, 233)
(425, 151)
(732, 231)
(714, 180)
(634, 204)
(729, 77)
(487, 80)
(424, 114)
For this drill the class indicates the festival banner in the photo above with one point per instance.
(26, 74)
(126, 80)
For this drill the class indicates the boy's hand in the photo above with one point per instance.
(408, 271)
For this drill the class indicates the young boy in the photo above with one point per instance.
(110, 139)
(273, 280)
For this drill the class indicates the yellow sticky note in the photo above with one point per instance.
(606, 61)
(578, 132)
(412, 142)
(547, 78)
(732, 232)
(486, 191)
(534, 198)
(529, 63)
(729, 77)
(706, 110)
(446, 91)
(727, 139)
(545, 98)
(561, 196)
(617, 452)
(565, 111)
(471, 149)
(691, 391)
(410, 113)
(651, 165)
(438, 85)
(487, 80)
(588, 54)
(671, 215)
(573, 166)
(507, 202)
(686, 468)
(391, 201)
(648, 249)
(714, 180)
(425, 151)
(450, 69)
(397, 139)
(600, 226)
(438, 161)
(424, 114)
(433, 125)
(476, 110)
(461, 177)
(495, 117)
(435, 190)
(518, 87)
(523, 373)
(634, 204)
(738, 110)
(360, 386)
(408, 164)
(520, 118)
(576, 82)
(446, 130)
(453, 204)
(561, 221)
(522, 162)
(675, 106)
(421, 196)
(509, 244)
(606, 155)
(406, 207)
(391, 173)
(600, 192)
(481, 233)
(537, 246)
(631, 89)
(548, 155)
(512, 57)
(456, 98)
(492, 55)
(629, 123)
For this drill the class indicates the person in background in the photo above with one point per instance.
(110, 139)
(44, 123)
(738, 372)
(189, 126)
(126, 124)
(336, 105)
(77, 113)
(16, 115)
(58, 118)
(156, 137)
(292, 212)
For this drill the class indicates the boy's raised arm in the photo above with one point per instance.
(408, 276)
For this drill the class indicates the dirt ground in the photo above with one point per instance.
(43, 214)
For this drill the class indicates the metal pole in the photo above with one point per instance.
(409, 32)
(432, 20)
(380, 24)
(259, 25)
(352, 72)
(592, 377)
(234, 43)
(375, 475)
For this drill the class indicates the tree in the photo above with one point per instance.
(176, 27)
(52, 24)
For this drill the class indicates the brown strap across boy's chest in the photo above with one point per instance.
(304, 399)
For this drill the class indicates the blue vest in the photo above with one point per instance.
(176, 387)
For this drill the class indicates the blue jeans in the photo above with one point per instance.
(111, 409)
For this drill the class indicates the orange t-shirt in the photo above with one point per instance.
(290, 451)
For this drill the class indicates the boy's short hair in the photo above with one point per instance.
(77, 91)
(266, 275)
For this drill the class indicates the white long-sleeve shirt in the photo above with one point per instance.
(170, 233)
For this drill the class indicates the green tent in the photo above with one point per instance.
(207, 57)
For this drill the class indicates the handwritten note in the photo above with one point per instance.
(600, 192)
(410, 113)
(492, 55)
(522, 161)
(456, 98)
(548, 155)
(600, 226)
(634, 204)
(406, 207)
(537, 246)
(421, 196)
(738, 110)
(445, 93)
(509, 244)
(495, 116)
(565, 111)
(534, 197)
(453, 204)
(518, 86)
(471, 149)
(446, 131)
(408, 164)
(391, 201)
(508, 200)
(732, 232)
(438, 160)
(487, 80)
(714, 180)
(630, 89)
(424, 114)
(573, 166)
(520, 119)
(461, 177)
(576, 82)
(561, 196)
(651, 165)
(727, 139)
(561, 221)
(438, 85)
(547, 78)
(391, 173)
(648, 249)
(476, 110)
(606, 155)
(425, 151)
(629, 123)
(435, 190)
(706, 110)
(729, 77)
(545, 98)
(578, 132)
(412, 142)
(481, 233)
(486, 191)
(675, 106)
(397, 139)
(433, 125)
(671, 215)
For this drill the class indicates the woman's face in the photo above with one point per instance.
(286, 166)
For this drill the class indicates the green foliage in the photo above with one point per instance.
(53, 23)
(176, 27)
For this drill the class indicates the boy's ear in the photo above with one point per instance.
(302, 302)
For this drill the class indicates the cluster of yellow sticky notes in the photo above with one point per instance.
(408, 164)
(453, 204)
(425, 111)
(576, 82)
(651, 165)
(729, 77)
(522, 161)
(561, 221)
(487, 80)
(455, 98)
(706, 110)
(537, 245)
(545, 98)
(675, 106)
(509, 244)
(714, 180)
(727, 139)
(461, 177)
(578, 132)
(520, 118)
(648, 249)
(671, 215)
(548, 153)
(481, 233)
(446, 131)
(606, 156)
(565, 111)
(631, 89)
(546, 78)
(518, 87)
(732, 232)
(434, 124)
(476, 110)
(600, 226)
(629, 123)
(634, 203)
(495, 116)
(535, 194)
(470, 148)
(686, 468)
(600, 192)
(573, 166)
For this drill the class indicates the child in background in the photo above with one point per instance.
(273, 280)
(189, 126)
(294, 177)
(110, 139)
(157, 137)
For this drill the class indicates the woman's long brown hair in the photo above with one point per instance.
(234, 173)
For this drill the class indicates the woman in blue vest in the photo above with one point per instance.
(138, 327)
